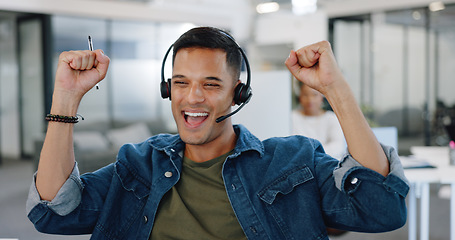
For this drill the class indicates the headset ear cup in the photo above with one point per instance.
(241, 94)
(165, 88)
(238, 93)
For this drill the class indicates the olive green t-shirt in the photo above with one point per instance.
(197, 207)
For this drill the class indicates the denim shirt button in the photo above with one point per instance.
(233, 186)
(168, 174)
(146, 219)
(172, 150)
(354, 180)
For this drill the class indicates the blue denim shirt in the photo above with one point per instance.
(280, 188)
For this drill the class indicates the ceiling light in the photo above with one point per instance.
(301, 7)
(436, 6)
(416, 15)
(267, 7)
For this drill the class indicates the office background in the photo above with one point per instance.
(398, 57)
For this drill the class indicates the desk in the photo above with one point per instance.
(447, 175)
(420, 180)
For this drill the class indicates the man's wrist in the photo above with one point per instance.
(63, 104)
(338, 92)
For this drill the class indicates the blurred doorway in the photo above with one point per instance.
(22, 83)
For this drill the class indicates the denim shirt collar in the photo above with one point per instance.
(173, 143)
(247, 141)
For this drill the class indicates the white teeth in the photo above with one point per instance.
(193, 114)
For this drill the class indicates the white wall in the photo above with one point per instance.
(357, 7)
(235, 15)
(269, 110)
(280, 28)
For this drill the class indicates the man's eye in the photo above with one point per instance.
(212, 85)
(179, 82)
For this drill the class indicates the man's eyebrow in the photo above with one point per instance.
(178, 76)
(208, 78)
(214, 78)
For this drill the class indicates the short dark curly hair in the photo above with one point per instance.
(213, 38)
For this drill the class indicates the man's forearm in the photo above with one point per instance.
(361, 141)
(57, 155)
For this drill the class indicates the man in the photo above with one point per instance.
(215, 180)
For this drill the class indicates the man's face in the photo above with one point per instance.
(202, 89)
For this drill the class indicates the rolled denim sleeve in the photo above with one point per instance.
(66, 200)
(395, 179)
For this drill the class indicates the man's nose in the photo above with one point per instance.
(196, 94)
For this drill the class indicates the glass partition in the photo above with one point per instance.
(71, 33)
(133, 71)
(130, 93)
(442, 25)
(350, 45)
(31, 83)
(400, 67)
(9, 77)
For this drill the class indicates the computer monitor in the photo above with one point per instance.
(387, 135)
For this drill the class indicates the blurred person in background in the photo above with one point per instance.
(313, 121)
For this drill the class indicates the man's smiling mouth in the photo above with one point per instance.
(195, 118)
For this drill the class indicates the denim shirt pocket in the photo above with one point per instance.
(291, 201)
(131, 181)
(285, 183)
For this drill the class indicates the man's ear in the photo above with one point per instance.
(235, 86)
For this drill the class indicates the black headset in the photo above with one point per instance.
(242, 93)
